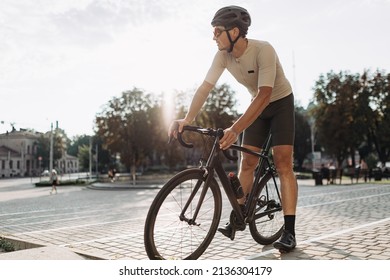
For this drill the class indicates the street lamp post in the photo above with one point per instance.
(312, 135)
(51, 149)
(90, 157)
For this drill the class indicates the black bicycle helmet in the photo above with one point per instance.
(232, 16)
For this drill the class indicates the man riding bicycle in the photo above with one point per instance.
(254, 64)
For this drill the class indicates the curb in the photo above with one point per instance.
(25, 250)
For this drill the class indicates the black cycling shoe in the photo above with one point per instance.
(286, 243)
(228, 231)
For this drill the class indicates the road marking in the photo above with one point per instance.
(343, 200)
(356, 189)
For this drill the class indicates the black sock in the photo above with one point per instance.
(289, 224)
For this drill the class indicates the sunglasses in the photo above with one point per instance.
(218, 31)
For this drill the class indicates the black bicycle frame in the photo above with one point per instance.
(214, 164)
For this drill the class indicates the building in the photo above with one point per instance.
(68, 164)
(18, 153)
(19, 156)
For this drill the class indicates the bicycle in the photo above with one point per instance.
(184, 216)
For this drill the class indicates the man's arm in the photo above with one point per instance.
(198, 100)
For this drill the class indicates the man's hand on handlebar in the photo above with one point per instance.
(229, 138)
(175, 127)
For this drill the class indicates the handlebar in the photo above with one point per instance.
(205, 131)
(216, 133)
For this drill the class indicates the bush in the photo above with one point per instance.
(62, 183)
(6, 245)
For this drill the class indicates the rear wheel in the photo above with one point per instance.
(170, 235)
(267, 224)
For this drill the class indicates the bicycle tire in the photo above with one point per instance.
(165, 235)
(267, 228)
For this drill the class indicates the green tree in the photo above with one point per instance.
(219, 110)
(105, 160)
(60, 142)
(335, 114)
(82, 142)
(302, 145)
(124, 127)
(379, 129)
(352, 114)
(76, 142)
(43, 150)
(83, 156)
(163, 154)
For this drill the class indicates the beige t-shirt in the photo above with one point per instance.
(258, 66)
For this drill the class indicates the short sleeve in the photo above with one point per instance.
(266, 60)
(216, 68)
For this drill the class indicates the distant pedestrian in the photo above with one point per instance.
(54, 181)
(325, 173)
(114, 174)
(363, 170)
(111, 174)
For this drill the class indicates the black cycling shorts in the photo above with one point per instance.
(279, 119)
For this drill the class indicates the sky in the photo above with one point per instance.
(63, 60)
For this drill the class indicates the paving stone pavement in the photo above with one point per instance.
(334, 222)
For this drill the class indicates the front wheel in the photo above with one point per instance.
(268, 221)
(170, 233)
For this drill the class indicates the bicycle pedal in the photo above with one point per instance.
(285, 251)
(228, 231)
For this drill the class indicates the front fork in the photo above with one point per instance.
(209, 176)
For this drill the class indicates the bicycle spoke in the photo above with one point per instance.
(268, 222)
